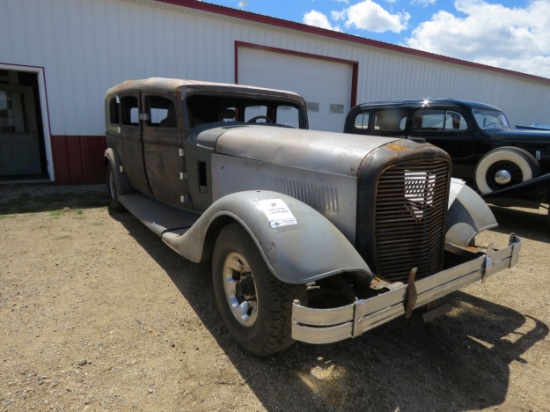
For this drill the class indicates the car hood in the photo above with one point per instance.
(328, 152)
(527, 136)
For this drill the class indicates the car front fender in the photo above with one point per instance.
(298, 244)
(467, 216)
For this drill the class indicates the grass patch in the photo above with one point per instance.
(55, 213)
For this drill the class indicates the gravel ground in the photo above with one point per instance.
(97, 314)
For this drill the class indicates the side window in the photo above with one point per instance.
(362, 121)
(129, 111)
(390, 120)
(288, 116)
(227, 114)
(251, 112)
(429, 120)
(161, 112)
(455, 121)
(113, 111)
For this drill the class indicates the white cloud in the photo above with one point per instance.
(368, 15)
(424, 2)
(318, 19)
(513, 38)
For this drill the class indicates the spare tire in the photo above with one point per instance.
(505, 167)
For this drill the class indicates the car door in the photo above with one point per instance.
(162, 149)
(449, 130)
(128, 142)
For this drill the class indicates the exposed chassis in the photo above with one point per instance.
(319, 326)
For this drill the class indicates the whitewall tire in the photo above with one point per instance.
(505, 167)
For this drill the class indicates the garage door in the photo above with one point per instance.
(326, 85)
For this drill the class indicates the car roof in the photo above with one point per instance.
(171, 85)
(465, 104)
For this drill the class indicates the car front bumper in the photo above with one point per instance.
(320, 326)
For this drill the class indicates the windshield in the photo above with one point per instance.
(491, 119)
(228, 108)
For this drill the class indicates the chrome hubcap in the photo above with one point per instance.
(239, 288)
(503, 177)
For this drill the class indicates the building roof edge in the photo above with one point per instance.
(277, 22)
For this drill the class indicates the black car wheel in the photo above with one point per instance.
(505, 167)
(112, 189)
(255, 306)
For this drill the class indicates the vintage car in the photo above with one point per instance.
(486, 151)
(312, 236)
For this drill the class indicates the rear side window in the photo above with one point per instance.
(129, 111)
(362, 121)
(113, 110)
(390, 120)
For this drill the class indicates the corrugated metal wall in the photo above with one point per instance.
(390, 76)
(79, 159)
(86, 46)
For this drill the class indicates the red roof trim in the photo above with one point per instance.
(272, 21)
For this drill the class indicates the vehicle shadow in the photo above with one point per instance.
(526, 223)
(458, 362)
(29, 198)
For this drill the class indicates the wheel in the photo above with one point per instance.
(505, 167)
(112, 190)
(256, 307)
(255, 119)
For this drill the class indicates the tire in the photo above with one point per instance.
(505, 167)
(255, 306)
(113, 189)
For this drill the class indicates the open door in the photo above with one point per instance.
(19, 140)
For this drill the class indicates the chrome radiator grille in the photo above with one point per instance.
(411, 204)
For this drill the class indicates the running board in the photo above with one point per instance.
(157, 216)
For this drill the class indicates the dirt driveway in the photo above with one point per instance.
(97, 314)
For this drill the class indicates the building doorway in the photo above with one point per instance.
(22, 143)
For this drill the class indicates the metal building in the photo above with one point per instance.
(58, 57)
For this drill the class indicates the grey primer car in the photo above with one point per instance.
(509, 167)
(313, 236)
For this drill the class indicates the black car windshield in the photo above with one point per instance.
(491, 119)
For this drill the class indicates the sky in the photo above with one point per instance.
(509, 34)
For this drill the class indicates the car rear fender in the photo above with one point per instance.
(122, 183)
(298, 244)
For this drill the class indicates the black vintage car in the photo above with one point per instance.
(506, 165)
